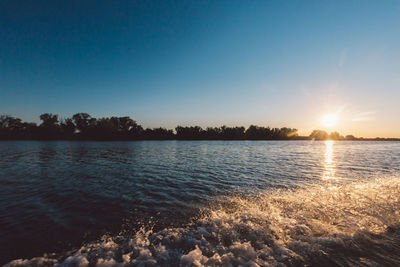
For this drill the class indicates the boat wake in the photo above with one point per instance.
(356, 224)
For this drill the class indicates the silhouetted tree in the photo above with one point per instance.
(84, 127)
(136, 131)
(319, 135)
(350, 137)
(81, 121)
(67, 128)
(49, 128)
(288, 133)
(159, 134)
(253, 133)
(189, 133)
(49, 120)
(335, 136)
(10, 127)
(212, 133)
(231, 133)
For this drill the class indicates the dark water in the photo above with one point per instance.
(201, 203)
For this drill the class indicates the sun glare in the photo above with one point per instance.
(329, 120)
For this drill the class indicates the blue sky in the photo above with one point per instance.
(164, 63)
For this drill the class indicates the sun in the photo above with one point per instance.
(329, 120)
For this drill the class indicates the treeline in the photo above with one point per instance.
(323, 135)
(82, 126)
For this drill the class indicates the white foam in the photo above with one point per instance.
(351, 224)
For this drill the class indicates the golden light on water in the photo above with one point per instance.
(329, 164)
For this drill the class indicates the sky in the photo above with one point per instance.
(207, 63)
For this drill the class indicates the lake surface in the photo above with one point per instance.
(200, 202)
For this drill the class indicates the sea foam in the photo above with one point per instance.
(354, 224)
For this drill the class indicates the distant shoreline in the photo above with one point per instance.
(83, 127)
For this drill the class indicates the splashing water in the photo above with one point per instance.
(354, 224)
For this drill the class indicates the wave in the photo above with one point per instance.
(356, 224)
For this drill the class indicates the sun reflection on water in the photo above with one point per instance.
(329, 164)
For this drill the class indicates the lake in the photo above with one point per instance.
(200, 202)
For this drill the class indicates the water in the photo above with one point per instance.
(200, 203)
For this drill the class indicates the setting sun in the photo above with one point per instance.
(329, 120)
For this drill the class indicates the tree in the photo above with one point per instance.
(336, 136)
(49, 128)
(350, 137)
(232, 133)
(67, 128)
(288, 133)
(159, 134)
(189, 133)
(48, 120)
(84, 127)
(319, 135)
(11, 128)
(82, 121)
